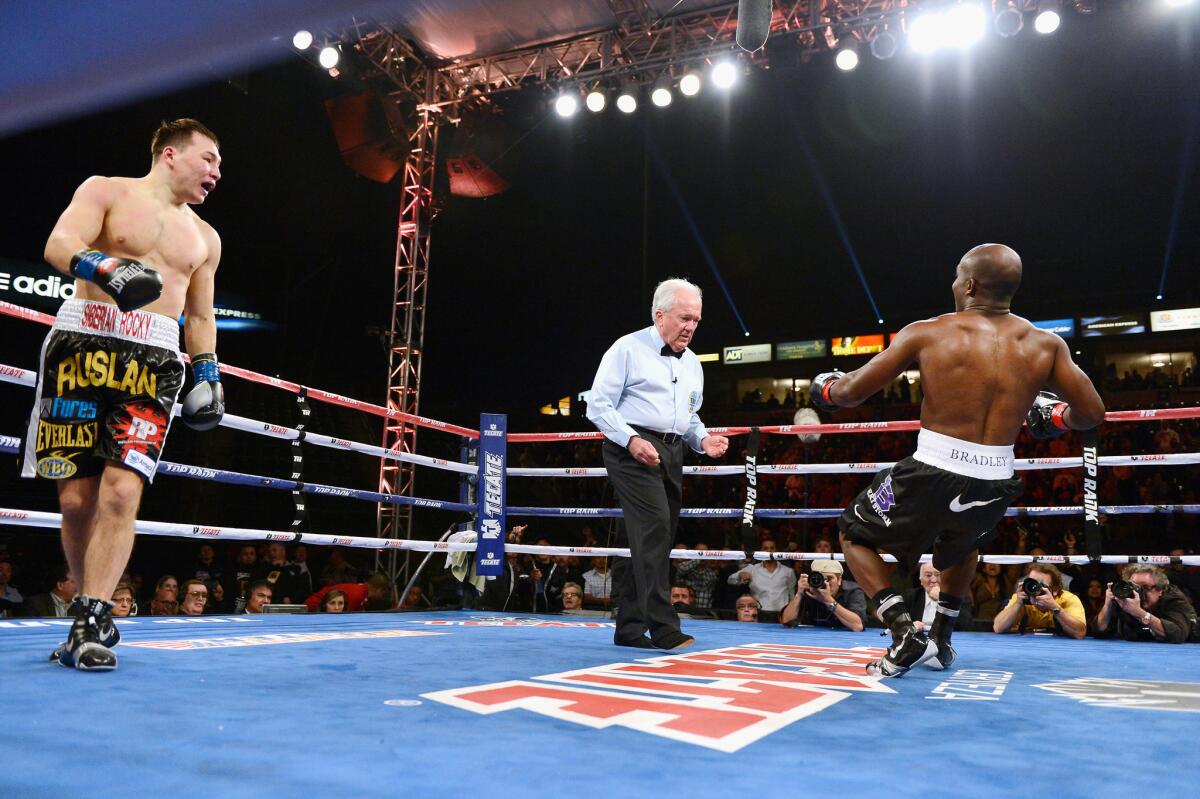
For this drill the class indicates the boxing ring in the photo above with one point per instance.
(414, 703)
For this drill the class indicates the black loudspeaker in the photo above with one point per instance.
(370, 134)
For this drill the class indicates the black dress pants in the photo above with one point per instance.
(650, 497)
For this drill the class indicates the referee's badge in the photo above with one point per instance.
(693, 401)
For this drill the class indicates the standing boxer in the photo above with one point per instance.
(110, 373)
(981, 369)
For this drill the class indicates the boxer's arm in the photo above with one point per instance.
(200, 324)
(1085, 408)
(81, 223)
(855, 387)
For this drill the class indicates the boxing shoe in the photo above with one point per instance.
(84, 648)
(911, 649)
(109, 634)
(944, 657)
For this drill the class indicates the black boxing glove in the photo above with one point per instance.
(204, 405)
(1047, 417)
(818, 390)
(131, 283)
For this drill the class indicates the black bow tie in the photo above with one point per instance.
(666, 350)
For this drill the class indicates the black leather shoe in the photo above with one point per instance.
(636, 643)
(674, 640)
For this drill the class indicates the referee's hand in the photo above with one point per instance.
(643, 451)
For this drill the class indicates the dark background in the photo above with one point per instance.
(1071, 148)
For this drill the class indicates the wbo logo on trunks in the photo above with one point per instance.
(723, 699)
(882, 499)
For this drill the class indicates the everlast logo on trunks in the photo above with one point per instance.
(69, 436)
(109, 319)
(103, 370)
(976, 459)
(882, 500)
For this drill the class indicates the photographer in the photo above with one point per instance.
(823, 600)
(1041, 603)
(1144, 606)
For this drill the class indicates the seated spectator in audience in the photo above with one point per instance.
(415, 599)
(304, 577)
(1185, 578)
(548, 580)
(823, 544)
(922, 601)
(597, 584)
(339, 570)
(207, 567)
(746, 608)
(54, 603)
(371, 595)
(217, 601)
(284, 577)
(243, 571)
(1050, 608)
(842, 606)
(700, 576)
(1151, 609)
(771, 583)
(989, 591)
(122, 599)
(1093, 602)
(257, 595)
(168, 582)
(164, 603)
(195, 598)
(334, 601)
(512, 590)
(10, 598)
(572, 597)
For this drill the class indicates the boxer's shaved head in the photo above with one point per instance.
(996, 270)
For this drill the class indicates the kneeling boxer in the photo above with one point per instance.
(981, 368)
(110, 373)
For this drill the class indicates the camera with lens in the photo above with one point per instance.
(816, 580)
(1123, 589)
(1032, 587)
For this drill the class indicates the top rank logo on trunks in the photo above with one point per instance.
(882, 499)
(102, 369)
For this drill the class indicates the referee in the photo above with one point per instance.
(644, 400)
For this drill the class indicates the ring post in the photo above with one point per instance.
(492, 492)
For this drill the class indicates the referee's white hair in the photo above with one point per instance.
(664, 294)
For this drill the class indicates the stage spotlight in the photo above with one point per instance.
(328, 57)
(927, 32)
(302, 40)
(1047, 19)
(724, 74)
(965, 25)
(884, 45)
(627, 100)
(847, 59)
(661, 95)
(1009, 21)
(596, 100)
(1177, 4)
(566, 104)
(689, 84)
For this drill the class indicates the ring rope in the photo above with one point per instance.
(832, 513)
(24, 377)
(1021, 465)
(328, 397)
(28, 518)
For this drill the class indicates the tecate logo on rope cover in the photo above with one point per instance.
(340, 442)
(338, 542)
(274, 428)
(206, 531)
(732, 698)
(13, 514)
(280, 536)
(11, 370)
(1148, 457)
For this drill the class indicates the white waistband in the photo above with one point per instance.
(964, 457)
(105, 319)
